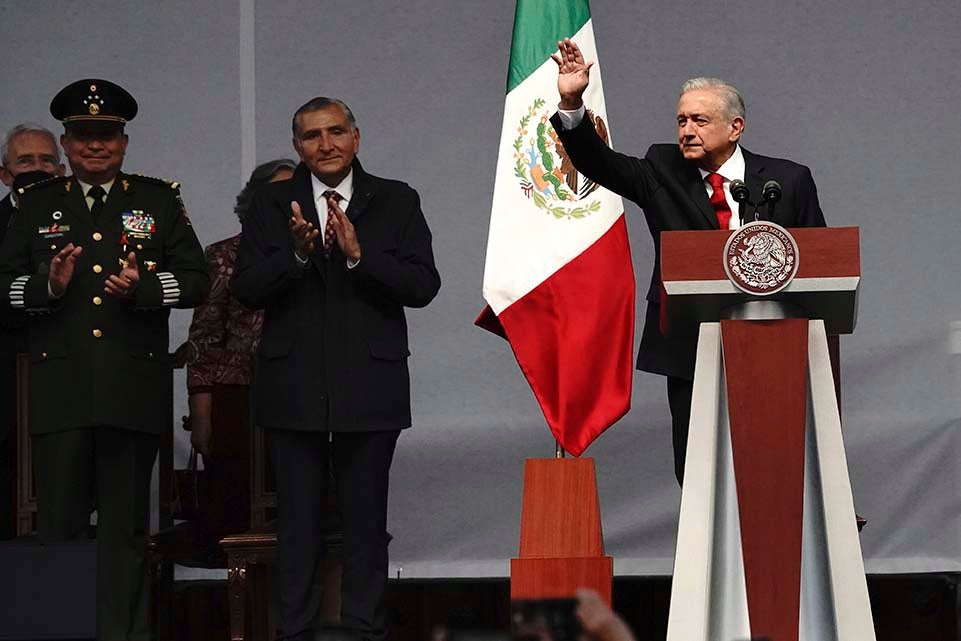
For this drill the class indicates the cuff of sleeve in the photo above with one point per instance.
(352, 263)
(570, 118)
(149, 294)
(32, 294)
(17, 293)
(292, 263)
(170, 289)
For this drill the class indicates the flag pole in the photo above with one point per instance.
(558, 450)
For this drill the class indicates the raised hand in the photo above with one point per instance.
(61, 269)
(302, 231)
(124, 284)
(346, 236)
(573, 74)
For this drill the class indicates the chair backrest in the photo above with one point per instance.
(26, 486)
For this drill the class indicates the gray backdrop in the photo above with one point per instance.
(864, 93)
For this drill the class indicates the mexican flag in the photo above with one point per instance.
(558, 281)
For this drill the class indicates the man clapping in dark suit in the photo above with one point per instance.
(333, 256)
(686, 186)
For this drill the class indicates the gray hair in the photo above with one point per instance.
(318, 103)
(26, 128)
(732, 103)
(261, 175)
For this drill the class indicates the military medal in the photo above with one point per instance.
(53, 230)
(137, 224)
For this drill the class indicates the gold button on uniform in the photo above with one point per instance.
(139, 246)
(44, 355)
(53, 247)
(97, 300)
(97, 269)
(97, 333)
(97, 235)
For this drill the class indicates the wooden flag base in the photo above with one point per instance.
(562, 547)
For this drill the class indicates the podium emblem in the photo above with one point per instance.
(761, 258)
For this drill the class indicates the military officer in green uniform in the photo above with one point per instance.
(96, 261)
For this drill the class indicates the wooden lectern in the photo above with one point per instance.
(767, 543)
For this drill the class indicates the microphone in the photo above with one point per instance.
(771, 192)
(741, 195)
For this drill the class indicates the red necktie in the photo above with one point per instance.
(329, 233)
(719, 201)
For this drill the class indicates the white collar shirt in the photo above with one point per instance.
(732, 169)
(345, 189)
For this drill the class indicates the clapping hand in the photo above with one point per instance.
(302, 231)
(124, 284)
(346, 236)
(61, 269)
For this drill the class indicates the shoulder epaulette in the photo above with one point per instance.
(155, 181)
(43, 183)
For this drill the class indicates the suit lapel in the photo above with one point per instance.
(753, 166)
(363, 193)
(120, 193)
(697, 192)
(74, 201)
(303, 192)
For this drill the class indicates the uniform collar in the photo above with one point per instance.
(106, 186)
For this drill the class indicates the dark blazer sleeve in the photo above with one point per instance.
(806, 201)
(265, 260)
(21, 287)
(625, 175)
(406, 274)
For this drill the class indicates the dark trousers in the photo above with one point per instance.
(9, 346)
(361, 466)
(679, 392)
(116, 465)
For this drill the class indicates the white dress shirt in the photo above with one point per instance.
(345, 190)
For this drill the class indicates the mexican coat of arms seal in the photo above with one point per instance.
(761, 258)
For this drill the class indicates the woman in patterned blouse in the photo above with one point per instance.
(224, 334)
(219, 354)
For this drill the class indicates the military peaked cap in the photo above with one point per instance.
(93, 100)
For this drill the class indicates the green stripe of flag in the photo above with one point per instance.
(538, 25)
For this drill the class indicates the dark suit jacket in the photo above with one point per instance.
(672, 193)
(6, 215)
(97, 360)
(333, 354)
(11, 322)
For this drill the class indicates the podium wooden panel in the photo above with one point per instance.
(561, 542)
(698, 290)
